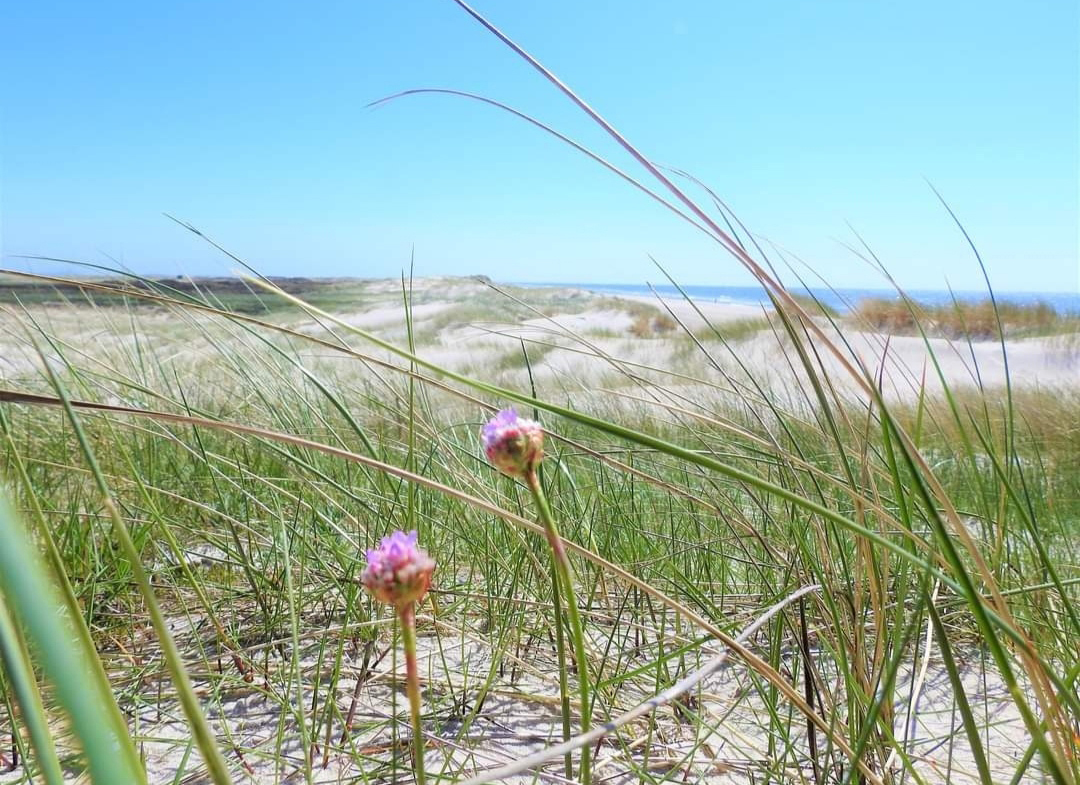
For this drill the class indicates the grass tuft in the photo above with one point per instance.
(980, 320)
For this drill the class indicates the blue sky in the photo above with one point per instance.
(811, 119)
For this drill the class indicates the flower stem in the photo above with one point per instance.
(564, 680)
(566, 576)
(407, 615)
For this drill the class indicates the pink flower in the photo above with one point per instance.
(397, 571)
(513, 444)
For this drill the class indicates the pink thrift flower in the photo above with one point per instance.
(397, 571)
(513, 444)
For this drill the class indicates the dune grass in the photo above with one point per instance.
(978, 320)
(783, 575)
(223, 521)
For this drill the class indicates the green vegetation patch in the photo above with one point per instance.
(978, 320)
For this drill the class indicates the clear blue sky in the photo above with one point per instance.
(249, 121)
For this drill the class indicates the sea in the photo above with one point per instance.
(842, 300)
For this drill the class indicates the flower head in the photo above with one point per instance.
(513, 444)
(397, 571)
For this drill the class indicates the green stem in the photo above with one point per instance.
(407, 614)
(566, 576)
(564, 679)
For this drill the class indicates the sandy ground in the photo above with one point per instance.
(597, 353)
(519, 716)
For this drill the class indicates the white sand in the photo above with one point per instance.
(521, 718)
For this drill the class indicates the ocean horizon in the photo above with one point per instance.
(841, 299)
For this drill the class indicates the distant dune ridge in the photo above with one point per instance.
(472, 323)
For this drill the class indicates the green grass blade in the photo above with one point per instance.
(20, 671)
(34, 601)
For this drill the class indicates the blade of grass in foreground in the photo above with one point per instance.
(200, 728)
(33, 599)
(18, 667)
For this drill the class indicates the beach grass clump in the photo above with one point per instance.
(645, 325)
(974, 319)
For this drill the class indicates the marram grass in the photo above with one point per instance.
(688, 536)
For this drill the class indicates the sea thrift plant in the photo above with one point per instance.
(399, 573)
(514, 445)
